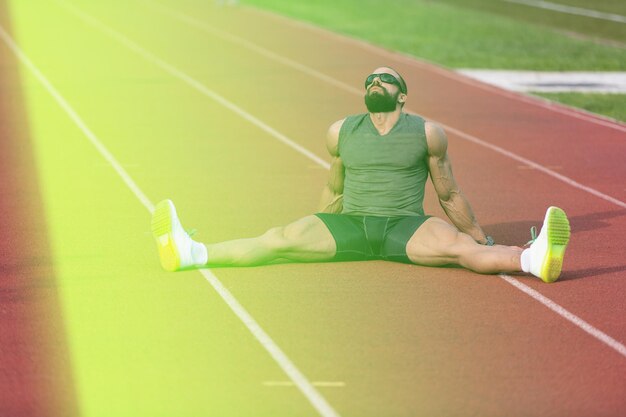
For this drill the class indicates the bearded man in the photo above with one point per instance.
(372, 205)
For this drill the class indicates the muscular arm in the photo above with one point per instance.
(451, 199)
(332, 194)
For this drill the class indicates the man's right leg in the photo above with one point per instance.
(306, 240)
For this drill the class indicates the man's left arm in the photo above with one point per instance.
(451, 199)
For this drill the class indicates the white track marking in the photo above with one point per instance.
(536, 166)
(429, 66)
(77, 120)
(197, 85)
(577, 321)
(323, 77)
(562, 8)
(246, 44)
(599, 335)
(314, 397)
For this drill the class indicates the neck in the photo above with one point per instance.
(384, 122)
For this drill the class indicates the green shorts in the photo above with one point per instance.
(360, 238)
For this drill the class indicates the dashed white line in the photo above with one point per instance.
(331, 384)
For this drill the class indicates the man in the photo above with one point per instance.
(372, 205)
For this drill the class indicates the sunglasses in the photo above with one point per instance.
(384, 77)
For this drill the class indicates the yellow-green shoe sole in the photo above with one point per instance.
(162, 232)
(558, 238)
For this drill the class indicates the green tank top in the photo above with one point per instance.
(384, 175)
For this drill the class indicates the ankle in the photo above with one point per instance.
(199, 253)
(525, 260)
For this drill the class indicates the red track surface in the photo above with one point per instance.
(34, 371)
(537, 363)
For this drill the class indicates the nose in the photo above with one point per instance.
(376, 82)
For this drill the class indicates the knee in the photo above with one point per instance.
(435, 244)
(464, 240)
(455, 246)
(274, 239)
(280, 239)
(470, 254)
(461, 245)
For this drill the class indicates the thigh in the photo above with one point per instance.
(308, 239)
(434, 243)
(399, 232)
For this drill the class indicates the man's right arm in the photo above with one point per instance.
(332, 195)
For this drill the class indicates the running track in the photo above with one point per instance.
(404, 340)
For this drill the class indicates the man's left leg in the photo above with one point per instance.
(437, 243)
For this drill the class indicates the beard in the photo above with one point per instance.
(381, 101)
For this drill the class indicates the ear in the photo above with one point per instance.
(402, 98)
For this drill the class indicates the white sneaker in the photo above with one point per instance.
(175, 245)
(545, 255)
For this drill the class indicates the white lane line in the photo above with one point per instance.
(327, 166)
(562, 8)
(243, 42)
(197, 85)
(77, 120)
(314, 397)
(431, 67)
(577, 321)
(323, 77)
(536, 166)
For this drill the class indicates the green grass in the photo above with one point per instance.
(590, 27)
(453, 36)
(611, 105)
(460, 37)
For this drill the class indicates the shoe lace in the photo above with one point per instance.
(533, 236)
(191, 232)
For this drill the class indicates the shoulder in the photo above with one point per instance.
(414, 118)
(332, 137)
(416, 124)
(436, 139)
